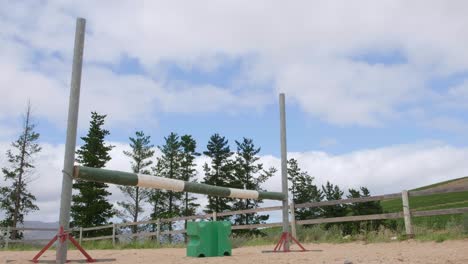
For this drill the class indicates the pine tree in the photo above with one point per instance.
(176, 162)
(293, 174)
(333, 192)
(15, 200)
(90, 206)
(219, 173)
(367, 208)
(158, 200)
(249, 174)
(188, 172)
(303, 191)
(141, 153)
(169, 166)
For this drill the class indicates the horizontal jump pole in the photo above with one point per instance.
(155, 182)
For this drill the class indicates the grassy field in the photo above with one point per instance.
(433, 202)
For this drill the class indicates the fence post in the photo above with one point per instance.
(407, 214)
(293, 220)
(215, 216)
(113, 234)
(158, 230)
(81, 235)
(8, 233)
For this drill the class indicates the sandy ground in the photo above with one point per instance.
(395, 252)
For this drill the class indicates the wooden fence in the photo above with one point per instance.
(407, 214)
(7, 241)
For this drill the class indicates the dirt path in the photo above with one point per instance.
(396, 252)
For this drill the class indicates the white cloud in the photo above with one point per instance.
(18, 84)
(456, 97)
(460, 91)
(131, 99)
(303, 49)
(209, 98)
(383, 170)
(7, 131)
(389, 169)
(344, 92)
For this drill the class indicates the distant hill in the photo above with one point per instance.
(445, 184)
(47, 235)
(435, 201)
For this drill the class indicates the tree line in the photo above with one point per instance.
(238, 168)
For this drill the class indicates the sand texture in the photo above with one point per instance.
(394, 252)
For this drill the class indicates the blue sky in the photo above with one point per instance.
(305, 131)
(374, 98)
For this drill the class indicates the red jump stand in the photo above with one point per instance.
(62, 236)
(285, 238)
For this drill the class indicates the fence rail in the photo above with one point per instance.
(97, 228)
(406, 214)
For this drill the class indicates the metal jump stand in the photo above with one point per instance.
(62, 238)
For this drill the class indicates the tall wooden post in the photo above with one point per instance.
(407, 214)
(284, 168)
(70, 144)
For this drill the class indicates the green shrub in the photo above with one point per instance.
(465, 224)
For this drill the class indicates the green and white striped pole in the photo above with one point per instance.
(150, 181)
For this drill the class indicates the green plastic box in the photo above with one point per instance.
(209, 239)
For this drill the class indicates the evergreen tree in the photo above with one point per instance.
(219, 173)
(158, 200)
(176, 162)
(249, 174)
(303, 191)
(293, 173)
(15, 200)
(169, 166)
(367, 208)
(333, 192)
(188, 172)
(90, 206)
(141, 153)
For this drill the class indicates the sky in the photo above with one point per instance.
(376, 91)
